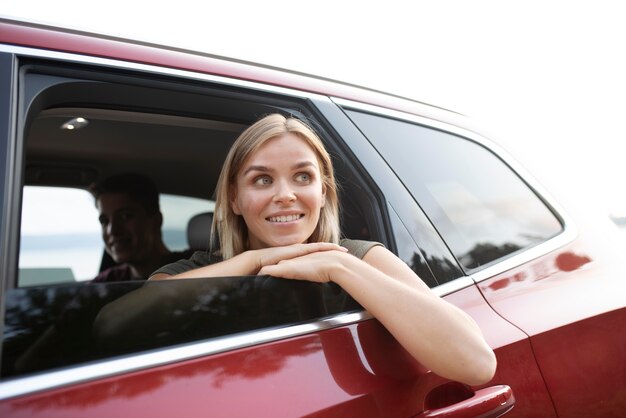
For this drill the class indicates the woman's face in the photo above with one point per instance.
(279, 193)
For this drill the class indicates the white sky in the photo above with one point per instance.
(547, 78)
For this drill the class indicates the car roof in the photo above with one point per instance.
(67, 40)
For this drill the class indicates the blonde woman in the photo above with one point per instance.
(277, 214)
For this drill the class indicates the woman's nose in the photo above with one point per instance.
(284, 192)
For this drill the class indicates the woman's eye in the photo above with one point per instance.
(262, 181)
(303, 177)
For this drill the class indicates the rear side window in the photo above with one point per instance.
(61, 239)
(482, 208)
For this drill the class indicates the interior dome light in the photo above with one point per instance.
(75, 123)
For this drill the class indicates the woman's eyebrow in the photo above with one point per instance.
(265, 169)
(261, 168)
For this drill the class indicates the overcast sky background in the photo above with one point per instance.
(546, 78)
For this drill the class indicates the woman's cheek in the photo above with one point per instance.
(255, 202)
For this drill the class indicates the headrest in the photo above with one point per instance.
(199, 231)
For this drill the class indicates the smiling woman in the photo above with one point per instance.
(279, 193)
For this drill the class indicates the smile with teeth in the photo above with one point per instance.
(285, 218)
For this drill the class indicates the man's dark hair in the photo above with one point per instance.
(138, 187)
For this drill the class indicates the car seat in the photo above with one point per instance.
(199, 231)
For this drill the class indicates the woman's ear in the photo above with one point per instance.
(323, 195)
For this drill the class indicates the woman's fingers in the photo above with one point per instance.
(270, 256)
(315, 267)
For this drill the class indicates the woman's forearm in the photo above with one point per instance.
(244, 264)
(441, 336)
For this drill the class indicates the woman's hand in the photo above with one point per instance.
(267, 257)
(319, 266)
(250, 262)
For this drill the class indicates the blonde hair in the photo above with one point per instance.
(231, 228)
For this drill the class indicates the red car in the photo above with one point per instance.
(548, 290)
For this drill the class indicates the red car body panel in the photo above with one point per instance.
(570, 302)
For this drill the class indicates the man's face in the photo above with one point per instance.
(130, 235)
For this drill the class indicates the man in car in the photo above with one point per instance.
(131, 220)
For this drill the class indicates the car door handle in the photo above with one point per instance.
(490, 402)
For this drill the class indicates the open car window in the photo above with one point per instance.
(178, 135)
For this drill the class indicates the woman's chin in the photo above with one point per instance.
(278, 240)
(285, 241)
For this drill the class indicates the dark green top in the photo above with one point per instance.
(357, 248)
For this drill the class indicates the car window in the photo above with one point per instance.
(481, 207)
(60, 234)
(177, 211)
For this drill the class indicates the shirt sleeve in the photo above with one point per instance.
(358, 248)
(197, 260)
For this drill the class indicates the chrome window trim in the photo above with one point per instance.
(135, 362)
(567, 235)
(452, 286)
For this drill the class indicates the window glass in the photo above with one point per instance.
(51, 327)
(409, 252)
(177, 211)
(482, 209)
(60, 234)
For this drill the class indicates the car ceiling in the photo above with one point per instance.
(182, 155)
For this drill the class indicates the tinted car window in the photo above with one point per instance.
(55, 326)
(480, 206)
